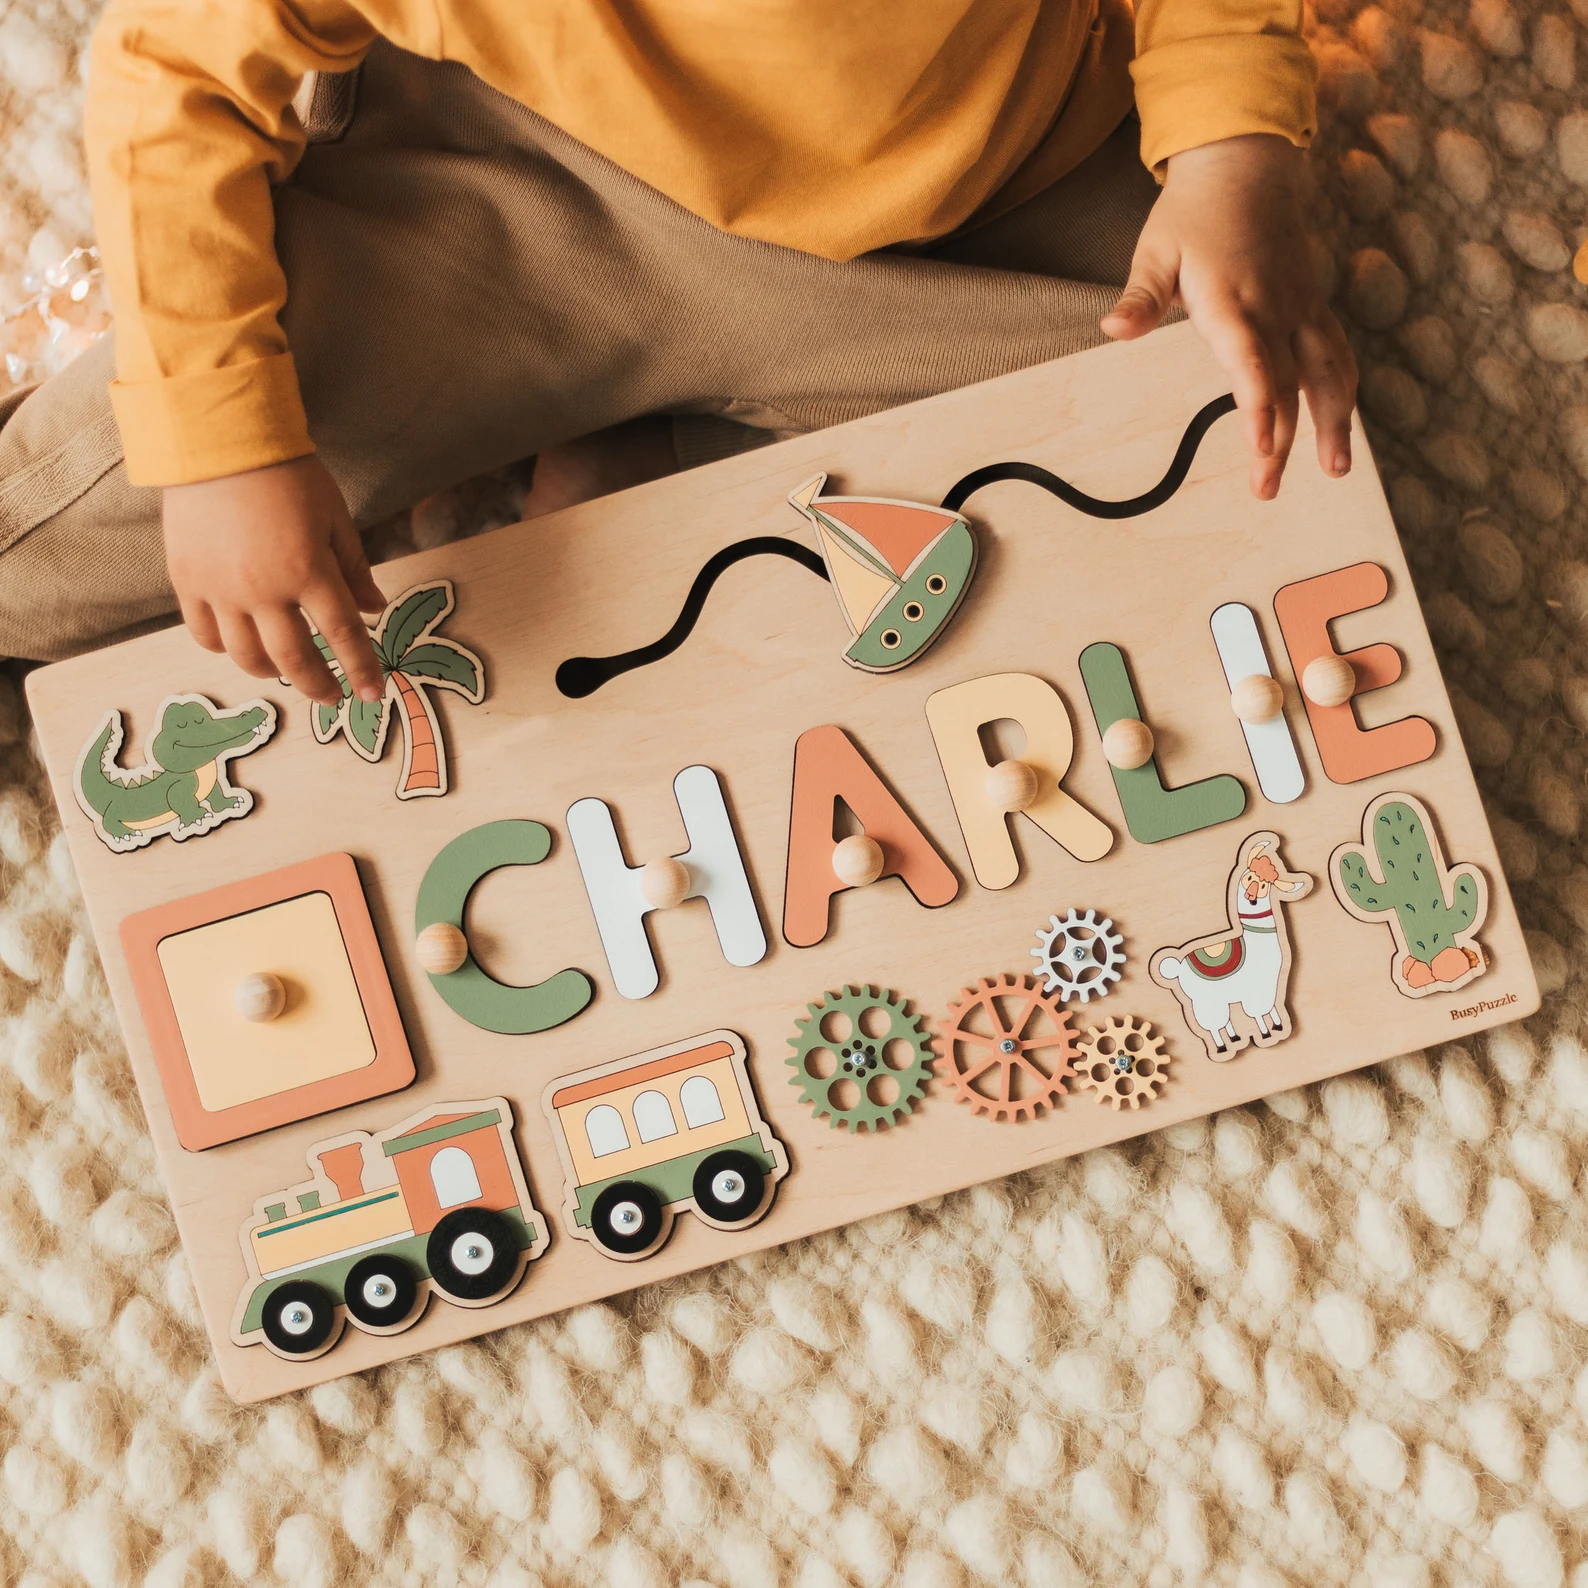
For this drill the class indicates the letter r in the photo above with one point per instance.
(956, 716)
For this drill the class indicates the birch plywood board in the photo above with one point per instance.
(764, 664)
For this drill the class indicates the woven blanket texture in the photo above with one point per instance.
(1335, 1338)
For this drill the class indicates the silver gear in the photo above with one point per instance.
(1080, 957)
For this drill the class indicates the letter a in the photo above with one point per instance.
(829, 768)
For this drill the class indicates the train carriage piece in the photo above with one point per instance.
(439, 1203)
(677, 1127)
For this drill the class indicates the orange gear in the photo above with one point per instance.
(967, 1054)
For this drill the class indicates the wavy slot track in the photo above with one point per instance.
(580, 676)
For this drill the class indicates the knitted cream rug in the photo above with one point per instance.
(1337, 1338)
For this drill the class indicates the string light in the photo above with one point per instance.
(65, 311)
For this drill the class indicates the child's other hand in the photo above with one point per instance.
(251, 553)
(1226, 240)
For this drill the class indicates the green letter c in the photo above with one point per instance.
(480, 999)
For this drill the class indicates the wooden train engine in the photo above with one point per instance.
(438, 1204)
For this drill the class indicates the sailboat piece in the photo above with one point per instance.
(899, 569)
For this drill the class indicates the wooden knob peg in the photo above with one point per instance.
(1128, 743)
(441, 948)
(857, 860)
(665, 883)
(260, 997)
(1328, 680)
(1257, 698)
(1012, 785)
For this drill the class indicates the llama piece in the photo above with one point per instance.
(1245, 967)
(1433, 910)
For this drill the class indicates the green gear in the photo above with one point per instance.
(860, 1058)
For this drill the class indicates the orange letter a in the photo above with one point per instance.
(827, 768)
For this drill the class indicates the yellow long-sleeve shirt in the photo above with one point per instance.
(835, 126)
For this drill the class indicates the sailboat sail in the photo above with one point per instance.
(899, 570)
(860, 586)
(895, 532)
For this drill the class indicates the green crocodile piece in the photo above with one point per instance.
(1414, 884)
(183, 788)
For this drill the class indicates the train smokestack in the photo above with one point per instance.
(344, 1168)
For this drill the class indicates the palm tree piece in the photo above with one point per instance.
(413, 659)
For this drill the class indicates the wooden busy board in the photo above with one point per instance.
(525, 1140)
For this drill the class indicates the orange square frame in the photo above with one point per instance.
(392, 1069)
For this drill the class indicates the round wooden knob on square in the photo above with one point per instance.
(1328, 680)
(665, 883)
(1257, 698)
(1012, 786)
(857, 860)
(441, 948)
(260, 997)
(1128, 743)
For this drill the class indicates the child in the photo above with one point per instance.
(514, 225)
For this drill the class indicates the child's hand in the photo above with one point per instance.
(251, 553)
(1226, 240)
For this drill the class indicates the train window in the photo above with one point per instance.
(702, 1106)
(653, 1117)
(603, 1128)
(453, 1176)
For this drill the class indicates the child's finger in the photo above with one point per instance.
(201, 624)
(243, 644)
(330, 604)
(1328, 377)
(1245, 360)
(349, 552)
(286, 636)
(1267, 472)
(1146, 298)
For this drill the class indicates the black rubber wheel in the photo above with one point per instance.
(299, 1317)
(729, 1186)
(627, 1218)
(472, 1254)
(380, 1291)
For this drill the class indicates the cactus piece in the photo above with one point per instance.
(1433, 910)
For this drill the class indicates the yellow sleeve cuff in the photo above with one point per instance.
(1197, 91)
(217, 421)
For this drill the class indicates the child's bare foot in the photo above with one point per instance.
(598, 464)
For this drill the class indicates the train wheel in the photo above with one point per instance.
(299, 1318)
(380, 1291)
(729, 1187)
(627, 1218)
(472, 1254)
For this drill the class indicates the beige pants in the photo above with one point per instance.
(468, 285)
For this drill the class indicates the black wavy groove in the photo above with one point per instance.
(1203, 421)
(580, 676)
(584, 675)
